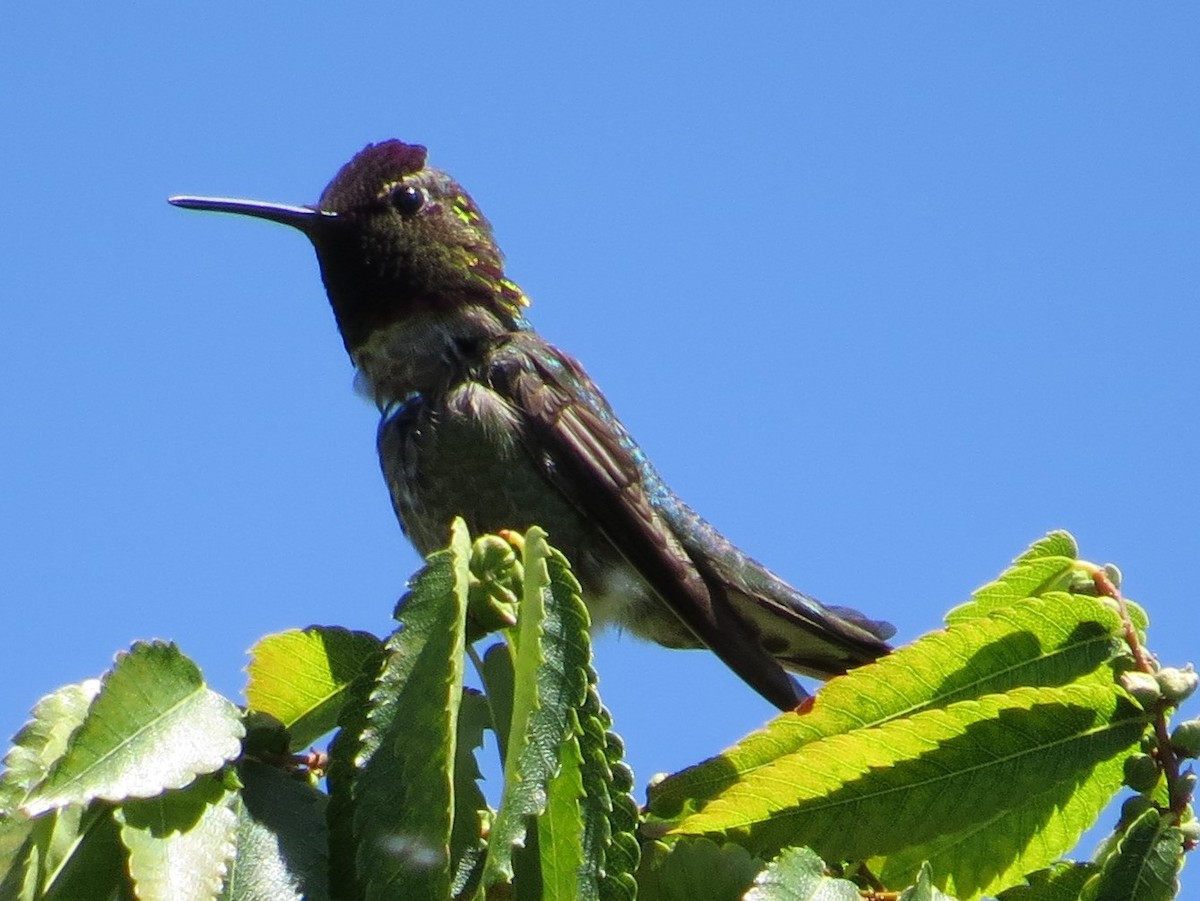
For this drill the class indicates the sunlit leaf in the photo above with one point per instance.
(798, 874)
(302, 677)
(180, 843)
(876, 791)
(152, 727)
(44, 739)
(1037, 641)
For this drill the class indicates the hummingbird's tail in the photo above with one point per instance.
(803, 634)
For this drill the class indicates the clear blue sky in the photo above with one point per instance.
(886, 292)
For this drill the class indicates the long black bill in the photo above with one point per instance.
(304, 218)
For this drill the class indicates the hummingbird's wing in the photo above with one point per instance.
(584, 451)
(801, 632)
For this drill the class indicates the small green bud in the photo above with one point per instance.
(1186, 738)
(1080, 581)
(1143, 687)
(1177, 684)
(1190, 830)
(266, 737)
(1113, 573)
(491, 554)
(490, 608)
(496, 575)
(1141, 772)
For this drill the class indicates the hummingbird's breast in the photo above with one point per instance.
(463, 453)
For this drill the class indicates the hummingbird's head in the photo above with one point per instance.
(396, 239)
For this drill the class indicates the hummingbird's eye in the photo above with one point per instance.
(407, 200)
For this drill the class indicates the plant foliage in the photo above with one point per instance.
(962, 766)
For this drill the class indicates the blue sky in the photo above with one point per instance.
(887, 292)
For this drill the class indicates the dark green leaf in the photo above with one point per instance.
(34, 851)
(17, 844)
(1062, 881)
(94, 866)
(339, 813)
(549, 680)
(609, 812)
(497, 675)
(405, 765)
(68, 853)
(471, 812)
(282, 848)
(1145, 865)
(695, 868)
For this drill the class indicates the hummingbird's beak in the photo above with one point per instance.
(305, 218)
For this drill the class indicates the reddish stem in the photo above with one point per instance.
(1178, 796)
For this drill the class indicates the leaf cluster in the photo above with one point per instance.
(961, 766)
(976, 755)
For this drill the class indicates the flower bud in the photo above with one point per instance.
(1143, 686)
(1177, 684)
(1141, 772)
(1186, 738)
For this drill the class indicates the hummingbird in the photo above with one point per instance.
(481, 417)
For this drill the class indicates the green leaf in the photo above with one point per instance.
(181, 843)
(878, 790)
(1037, 641)
(67, 853)
(34, 851)
(471, 812)
(1046, 565)
(497, 675)
(282, 852)
(1145, 865)
(16, 857)
(798, 874)
(44, 739)
(1062, 881)
(596, 783)
(610, 815)
(605, 810)
(344, 753)
(402, 789)
(923, 889)
(695, 868)
(87, 860)
(995, 853)
(302, 677)
(549, 679)
(560, 832)
(153, 726)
